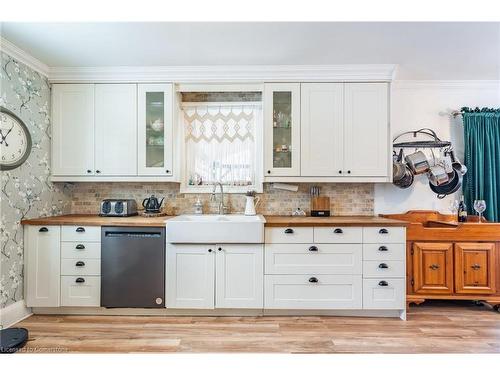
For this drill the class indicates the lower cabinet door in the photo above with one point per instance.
(42, 265)
(80, 290)
(239, 276)
(475, 268)
(312, 292)
(190, 276)
(384, 293)
(433, 267)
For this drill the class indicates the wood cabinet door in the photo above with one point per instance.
(475, 268)
(322, 129)
(73, 129)
(433, 267)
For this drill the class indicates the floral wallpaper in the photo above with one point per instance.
(26, 191)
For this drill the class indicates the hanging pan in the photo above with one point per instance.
(454, 183)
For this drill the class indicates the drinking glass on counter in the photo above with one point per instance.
(479, 206)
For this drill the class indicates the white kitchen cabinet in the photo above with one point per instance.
(282, 129)
(239, 276)
(322, 129)
(42, 262)
(155, 129)
(81, 290)
(73, 130)
(366, 135)
(116, 129)
(190, 276)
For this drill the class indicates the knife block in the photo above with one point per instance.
(320, 206)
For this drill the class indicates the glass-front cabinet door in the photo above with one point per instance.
(282, 129)
(155, 129)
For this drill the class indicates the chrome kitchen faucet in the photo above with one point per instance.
(222, 208)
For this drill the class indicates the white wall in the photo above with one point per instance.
(418, 104)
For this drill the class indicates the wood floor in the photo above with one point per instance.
(434, 327)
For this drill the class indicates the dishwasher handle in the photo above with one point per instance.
(132, 234)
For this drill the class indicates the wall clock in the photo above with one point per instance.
(15, 140)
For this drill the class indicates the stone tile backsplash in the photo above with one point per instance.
(345, 199)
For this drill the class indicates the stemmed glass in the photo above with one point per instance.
(479, 206)
(454, 206)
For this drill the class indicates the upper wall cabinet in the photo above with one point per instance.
(343, 133)
(112, 132)
(73, 130)
(282, 129)
(155, 129)
(116, 129)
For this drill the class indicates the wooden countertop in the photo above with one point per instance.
(130, 221)
(271, 221)
(345, 221)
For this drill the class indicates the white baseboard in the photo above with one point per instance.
(14, 313)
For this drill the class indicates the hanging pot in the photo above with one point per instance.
(437, 175)
(417, 162)
(456, 164)
(398, 167)
(407, 179)
(450, 187)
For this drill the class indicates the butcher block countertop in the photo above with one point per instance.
(271, 221)
(345, 221)
(130, 221)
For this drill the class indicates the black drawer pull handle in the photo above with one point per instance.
(338, 231)
(313, 248)
(383, 231)
(434, 267)
(383, 248)
(43, 229)
(383, 265)
(289, 231)
(80, 280)
(383, 283)
(79, 247)
(80, 229)
(475, 267)
(313, 280)
(80, 264)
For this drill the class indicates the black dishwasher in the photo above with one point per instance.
(132, 267)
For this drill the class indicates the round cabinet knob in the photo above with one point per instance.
(340, 172)
(89, 171)
(220, 249)
(209, 250)
(168, 171)
(97, 171)
(268, 172)
(349, 172)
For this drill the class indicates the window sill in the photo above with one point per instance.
(190, 189)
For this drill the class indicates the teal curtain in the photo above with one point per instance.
(482, 158)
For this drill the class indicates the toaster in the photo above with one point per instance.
(118, 207)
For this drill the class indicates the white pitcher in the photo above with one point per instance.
(252, 202)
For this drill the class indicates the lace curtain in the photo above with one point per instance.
(220, 143)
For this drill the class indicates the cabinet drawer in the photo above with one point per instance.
(298, 292)
(80, 233)
(383, 268)
(384, 293)
(379, 251)
(338, 235)
(304, 259)
(81, 250)
(87, 292)
(71, 267)
(384, 235)
(289, 235)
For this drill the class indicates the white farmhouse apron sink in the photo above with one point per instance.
(216, 229)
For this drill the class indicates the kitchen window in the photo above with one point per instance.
(222, 133)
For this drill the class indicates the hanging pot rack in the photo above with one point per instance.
(435, 142)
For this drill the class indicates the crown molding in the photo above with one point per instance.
(24, 57)
(446, 84)
(223, 73)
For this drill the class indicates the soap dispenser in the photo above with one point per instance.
(198, 207)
